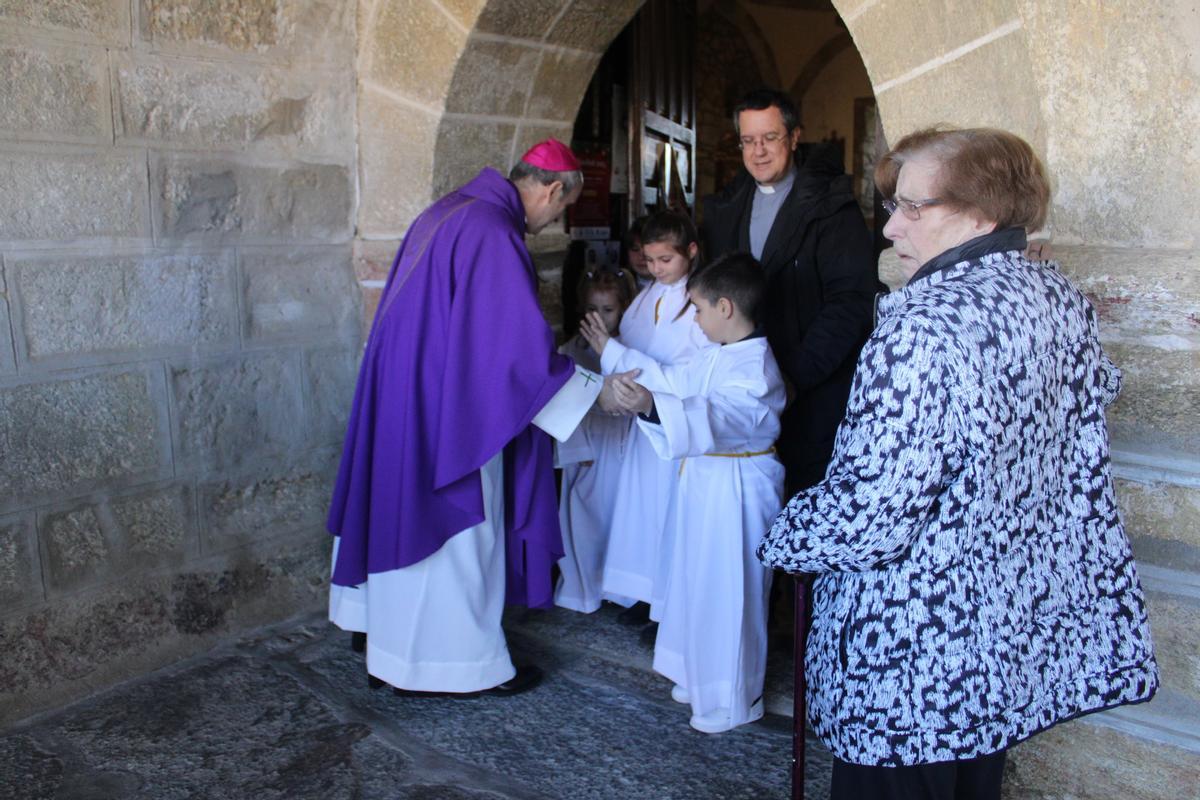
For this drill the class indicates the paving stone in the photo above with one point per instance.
(69, 436)
(65, 196)
(213, 199)
(233, 106)
(55, 93)
(20, 566)
(289, 498)
(229, 411)
(90, 20)
(298, 292)
(79, 308)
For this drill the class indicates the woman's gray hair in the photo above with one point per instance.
(523, 170)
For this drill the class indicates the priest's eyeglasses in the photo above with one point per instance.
(911, 209)
(767, 140)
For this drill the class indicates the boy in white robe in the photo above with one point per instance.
(720, 414)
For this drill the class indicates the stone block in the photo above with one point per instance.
(1159, 404)
(492, 77)
(933, 27)
(1120, 123)
(58, 653)
(593, 24)
(298, 292)
(332, 373)
(20, 565)
(76, 550)
(396, 182)
(370, 300)
(561, 81)
(1176, 640)
(465, 11)
(464, 147)
(229, 411)
(73, 435)
(208, 199)
(85, 20)
(8, 363)
(1163, 522)
(373, 259)
(72, 195)
(405, 27)
(155, 528)
(231, 106)
(283, 499)
(523, 19)
(963, 92)
(1083, 760)
(295, 31)
(77, 307)
(1138, 293)
(51, 93)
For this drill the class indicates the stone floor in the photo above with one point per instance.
(286, 713)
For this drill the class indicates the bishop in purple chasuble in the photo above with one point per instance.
(459, 361)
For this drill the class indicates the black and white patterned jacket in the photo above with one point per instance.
(976, 582)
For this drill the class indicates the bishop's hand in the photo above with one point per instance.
(595, 331)
(607, 399)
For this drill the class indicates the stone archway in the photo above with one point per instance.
(1107, 93)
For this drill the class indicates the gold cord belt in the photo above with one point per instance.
(766, 452)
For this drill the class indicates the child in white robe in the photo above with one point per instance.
(591, 458)
(720, 414)
(660, 324)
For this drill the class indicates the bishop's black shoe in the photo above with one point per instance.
(528, 676)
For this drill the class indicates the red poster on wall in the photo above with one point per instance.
(589, 217)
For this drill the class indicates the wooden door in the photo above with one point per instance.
(662, 115)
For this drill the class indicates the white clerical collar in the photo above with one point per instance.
(783, 185)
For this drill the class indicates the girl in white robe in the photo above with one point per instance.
(660, 324)
(591, 458)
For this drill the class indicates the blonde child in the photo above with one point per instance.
(591, 457)
(720, 414)
(660, 324)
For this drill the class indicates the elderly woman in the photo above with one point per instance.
(975, 583)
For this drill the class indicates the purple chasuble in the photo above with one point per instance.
(459, 361)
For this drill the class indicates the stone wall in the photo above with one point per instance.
(179, 325)
(1108, 94)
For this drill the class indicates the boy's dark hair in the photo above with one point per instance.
(761, 100)
(620, 281)
(670, 226)
(735, 276)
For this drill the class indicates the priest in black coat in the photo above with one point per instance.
(802, 223)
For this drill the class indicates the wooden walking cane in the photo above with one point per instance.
(799, 703)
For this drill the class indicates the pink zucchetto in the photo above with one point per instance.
(552, 156)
